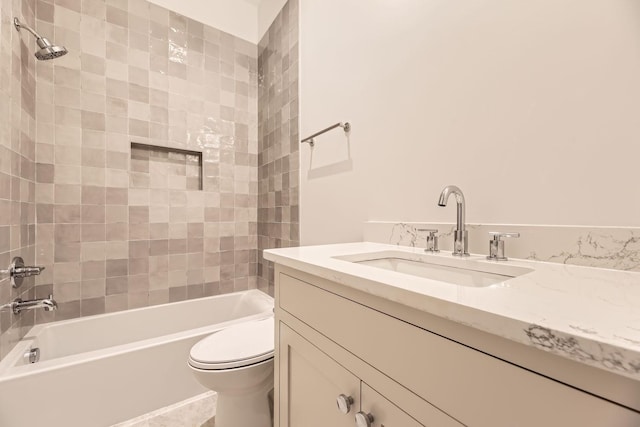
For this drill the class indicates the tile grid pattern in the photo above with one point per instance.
(278, 159)
(17, 155)
(138, 73)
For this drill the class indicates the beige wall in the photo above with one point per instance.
(237, 17)
(530, 107)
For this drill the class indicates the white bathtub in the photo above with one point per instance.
(101, 370)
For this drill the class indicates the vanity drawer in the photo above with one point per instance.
(473, 387)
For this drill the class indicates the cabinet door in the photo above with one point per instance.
(309, 384)
(384, 413)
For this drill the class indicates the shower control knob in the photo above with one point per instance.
(17, 271)
(344, 403)
(363, 419)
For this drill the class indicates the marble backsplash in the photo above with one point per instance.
(605, 247)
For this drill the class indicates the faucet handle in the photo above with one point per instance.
(431, 231)
(432, 239)
(497, 235)
(496, 245)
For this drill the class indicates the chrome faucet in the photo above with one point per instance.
(18, 305)
(460, 237)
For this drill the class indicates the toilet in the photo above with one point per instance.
(237, 363)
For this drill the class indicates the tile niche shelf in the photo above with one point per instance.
(156, 167)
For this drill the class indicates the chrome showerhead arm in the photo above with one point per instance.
(20, 25)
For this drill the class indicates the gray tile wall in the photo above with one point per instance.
(119, 228)
(17, 156)
(279, 142)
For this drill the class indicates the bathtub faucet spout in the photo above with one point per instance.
(18, 305)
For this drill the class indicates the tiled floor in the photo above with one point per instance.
(198, 411)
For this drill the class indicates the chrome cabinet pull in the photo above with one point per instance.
(344, 403)
(363, 419)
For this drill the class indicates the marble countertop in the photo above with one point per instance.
(591, 315)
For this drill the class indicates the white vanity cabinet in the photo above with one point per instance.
(408, 368)
(314, 383)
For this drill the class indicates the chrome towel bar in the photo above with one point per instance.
(346, 126)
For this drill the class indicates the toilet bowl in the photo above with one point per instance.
(237, 363)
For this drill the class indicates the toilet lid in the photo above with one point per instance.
(239, 345)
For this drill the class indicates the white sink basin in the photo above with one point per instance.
(474, 272)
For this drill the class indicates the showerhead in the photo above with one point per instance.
(47, 50)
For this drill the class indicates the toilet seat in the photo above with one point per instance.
(237, 346)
